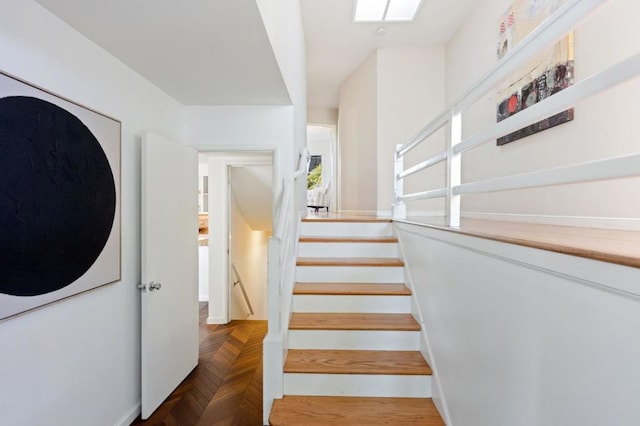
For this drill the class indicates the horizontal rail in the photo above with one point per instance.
(566, 98)
(438, 158)
(435, 193)
(435, 125)
(610, 168)
(550, 30)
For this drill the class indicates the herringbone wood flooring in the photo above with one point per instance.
(226, 386)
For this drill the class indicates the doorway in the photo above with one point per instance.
(321, 143)
(239, 216)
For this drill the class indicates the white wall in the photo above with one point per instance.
(603, 126)
(249, 253)
(77, 362)
(316, 115)
(410, 92)
(283, 22)
(521, 336)
(357, 137)
(383, 103)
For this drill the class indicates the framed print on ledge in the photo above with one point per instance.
(59, 198)
(547, 74)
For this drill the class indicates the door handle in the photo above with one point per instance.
(152, 286)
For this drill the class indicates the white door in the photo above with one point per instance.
(169, 267)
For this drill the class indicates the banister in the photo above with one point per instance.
(433, 126)
(244, 292)
(609, 168)
(438, 158)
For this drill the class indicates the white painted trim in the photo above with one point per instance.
(439, 399)
(216, 320)
(621, 223)
(368, 385)
(203, 298)
(129, 418)
(366, 340)
(363, 212)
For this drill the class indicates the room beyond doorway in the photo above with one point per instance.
(240, 211)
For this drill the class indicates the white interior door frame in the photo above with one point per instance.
(219, 168)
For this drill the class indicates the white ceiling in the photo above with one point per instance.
(198, 51)
(336, 45)
(217, 52)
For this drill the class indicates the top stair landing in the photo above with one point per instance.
(332, 225)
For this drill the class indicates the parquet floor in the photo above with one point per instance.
(226, 386)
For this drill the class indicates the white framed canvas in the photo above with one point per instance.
(60, 224)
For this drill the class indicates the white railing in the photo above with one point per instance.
(564, 20)
(281, 268)
(238, 281)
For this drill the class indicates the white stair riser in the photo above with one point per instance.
(350, 274)
(348, 249)
(381, 385)
(366, 340)
(355, 304)
(331, 229)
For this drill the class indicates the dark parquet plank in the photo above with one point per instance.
(226, 386)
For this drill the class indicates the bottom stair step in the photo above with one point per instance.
(331, 410)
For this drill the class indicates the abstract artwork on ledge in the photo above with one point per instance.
(59, 198)
(547, 74)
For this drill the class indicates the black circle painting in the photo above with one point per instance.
(57, 197)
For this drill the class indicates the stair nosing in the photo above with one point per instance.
(350, 261)
(359, 362)
(347, 220)
(352, 239)
(349, 325)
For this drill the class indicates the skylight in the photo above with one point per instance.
(385, 10)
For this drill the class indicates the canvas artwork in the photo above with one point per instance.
(59, 198)
(549, 73)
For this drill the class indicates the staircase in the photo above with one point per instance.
(353, 354)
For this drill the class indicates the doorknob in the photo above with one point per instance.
(152, 286)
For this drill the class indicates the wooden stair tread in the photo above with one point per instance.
(351, 289)
(349, 261)
(356, 362)
(346, 219)
(351, 411)
(351, 321)
(336, 239)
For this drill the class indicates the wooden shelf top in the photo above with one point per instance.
(293, 410)
(351, 289)
(606, 245)
(356, 362)
(349, 261)
(350, 321)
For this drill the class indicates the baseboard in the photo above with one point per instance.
(626, 224)
(217, 320)
(360, 212)
(425, 213)
(129, 418)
